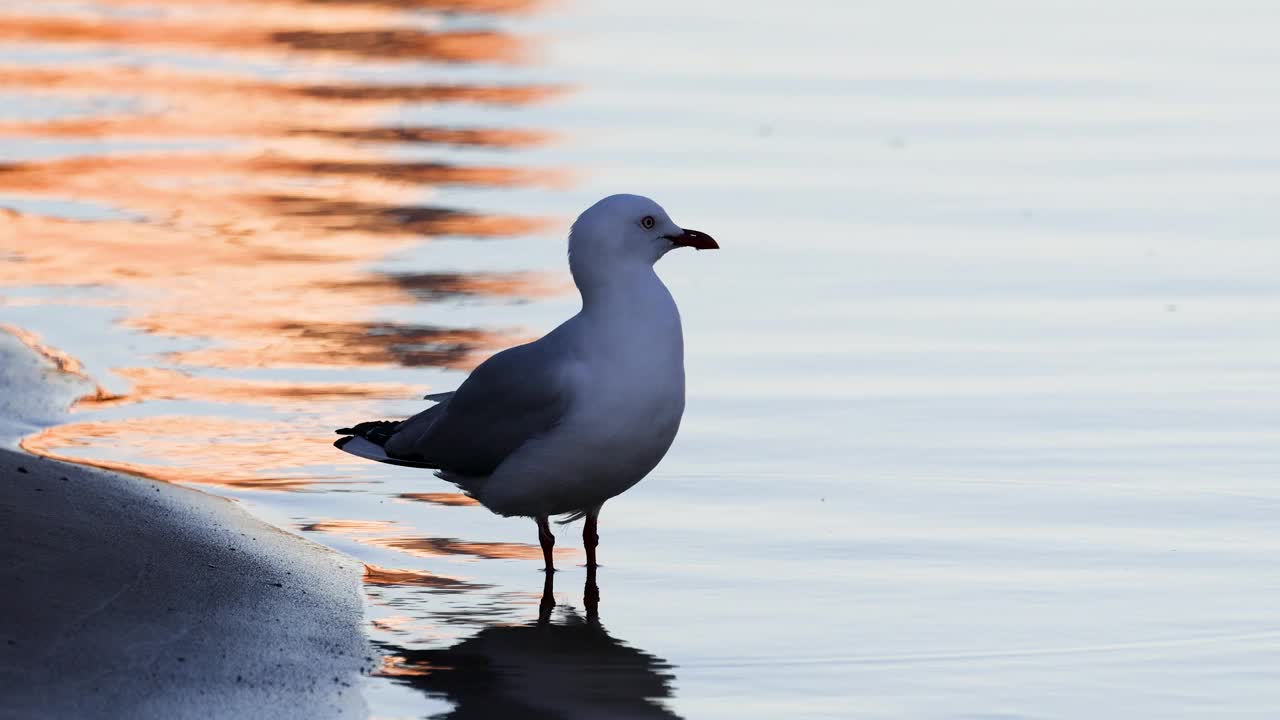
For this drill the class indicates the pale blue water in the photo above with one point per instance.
(983, 385)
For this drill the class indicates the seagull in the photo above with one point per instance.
(562, 424)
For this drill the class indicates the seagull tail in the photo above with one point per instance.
(571, 517)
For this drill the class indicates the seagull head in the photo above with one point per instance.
(625, 230)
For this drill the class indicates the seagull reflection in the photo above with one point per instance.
(570, 668)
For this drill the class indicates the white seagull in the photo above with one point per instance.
(562, 424)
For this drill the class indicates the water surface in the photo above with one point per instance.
(983, 386)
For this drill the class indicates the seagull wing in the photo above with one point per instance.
(509, 399)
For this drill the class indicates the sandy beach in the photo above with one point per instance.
(125, 597)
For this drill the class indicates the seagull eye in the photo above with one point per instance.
(648, 222)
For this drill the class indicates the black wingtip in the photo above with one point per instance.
(377, 432)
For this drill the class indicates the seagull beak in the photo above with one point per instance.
(694, 239)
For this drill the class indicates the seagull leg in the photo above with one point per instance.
(591, 538)
(548, 540)
(591, 596)
(548, 599)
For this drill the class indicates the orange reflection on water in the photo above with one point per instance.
(399, 666)
(441, 498)
(61, 360)
(293, 6)
(483, 137)
(250, 233)
(330, 31)
(441, 286)
(371, 532)
(350, 527)
(190, 103)
(264, 304)
(405, 625)
(204, 450)
(387, 577)
(164, 384)
(445, 547)
(284, 188)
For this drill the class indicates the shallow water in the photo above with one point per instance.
(983, 386)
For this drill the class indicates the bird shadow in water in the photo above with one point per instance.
(565, 668)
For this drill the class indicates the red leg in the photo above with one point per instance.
(548, 540)
(590, 538)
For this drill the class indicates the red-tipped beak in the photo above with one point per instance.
(694, 239)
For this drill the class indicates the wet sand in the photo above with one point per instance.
(126, 597)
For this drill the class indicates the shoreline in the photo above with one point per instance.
(127, 597)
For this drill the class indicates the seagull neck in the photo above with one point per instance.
(618, 292)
